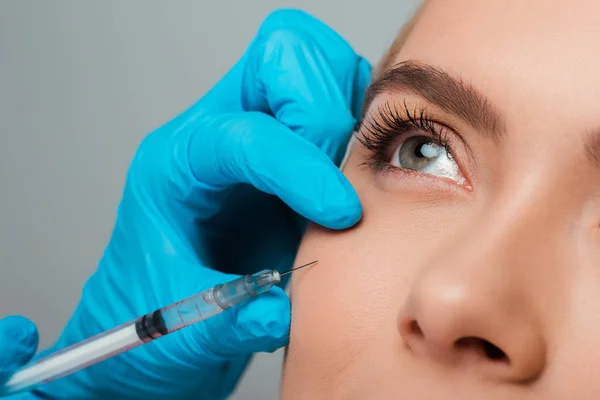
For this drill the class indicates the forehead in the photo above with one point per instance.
(542, 56)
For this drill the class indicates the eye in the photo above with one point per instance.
(424, 154)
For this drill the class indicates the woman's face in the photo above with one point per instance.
(475, 271)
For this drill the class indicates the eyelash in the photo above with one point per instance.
(391, 124)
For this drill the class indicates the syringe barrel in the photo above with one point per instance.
(139, 331)
(205, 304)
(233, 293)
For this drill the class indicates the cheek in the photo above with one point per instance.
(331, 319)
(348, 304)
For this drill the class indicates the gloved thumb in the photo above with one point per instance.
(18, 344)
(260, 325)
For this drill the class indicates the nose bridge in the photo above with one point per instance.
(477, 300)
(512, 232)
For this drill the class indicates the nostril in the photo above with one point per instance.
(415, 329)
(482, 346)
(493, 352)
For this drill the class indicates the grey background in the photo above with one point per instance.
(81, 82)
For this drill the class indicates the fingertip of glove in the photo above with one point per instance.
(259, 325)
(266, 319)
(362, 82)
(18, 343)
(18, 329)
(343, 208)
(283, 17)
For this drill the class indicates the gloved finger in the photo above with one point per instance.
(18, 344)
(254, 148)
(308, 77)
(363, 80)
(260, 325)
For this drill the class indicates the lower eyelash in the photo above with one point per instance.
(391, 123)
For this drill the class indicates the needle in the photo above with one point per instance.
(297, 268)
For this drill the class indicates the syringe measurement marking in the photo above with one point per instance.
(198, 308)
(180, 317)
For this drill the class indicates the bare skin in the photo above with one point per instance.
(481, 283)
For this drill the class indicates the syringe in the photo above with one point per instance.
(142, 330)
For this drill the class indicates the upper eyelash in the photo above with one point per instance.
(391, 123)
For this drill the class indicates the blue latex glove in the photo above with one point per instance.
(218, 192)
(18, 344)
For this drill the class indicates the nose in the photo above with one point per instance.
(474, 311)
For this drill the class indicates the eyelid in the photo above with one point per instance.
(422, 181)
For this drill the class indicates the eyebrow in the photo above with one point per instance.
(450, 94)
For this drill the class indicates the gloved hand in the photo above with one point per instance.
(223, 190)
(18, 344)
